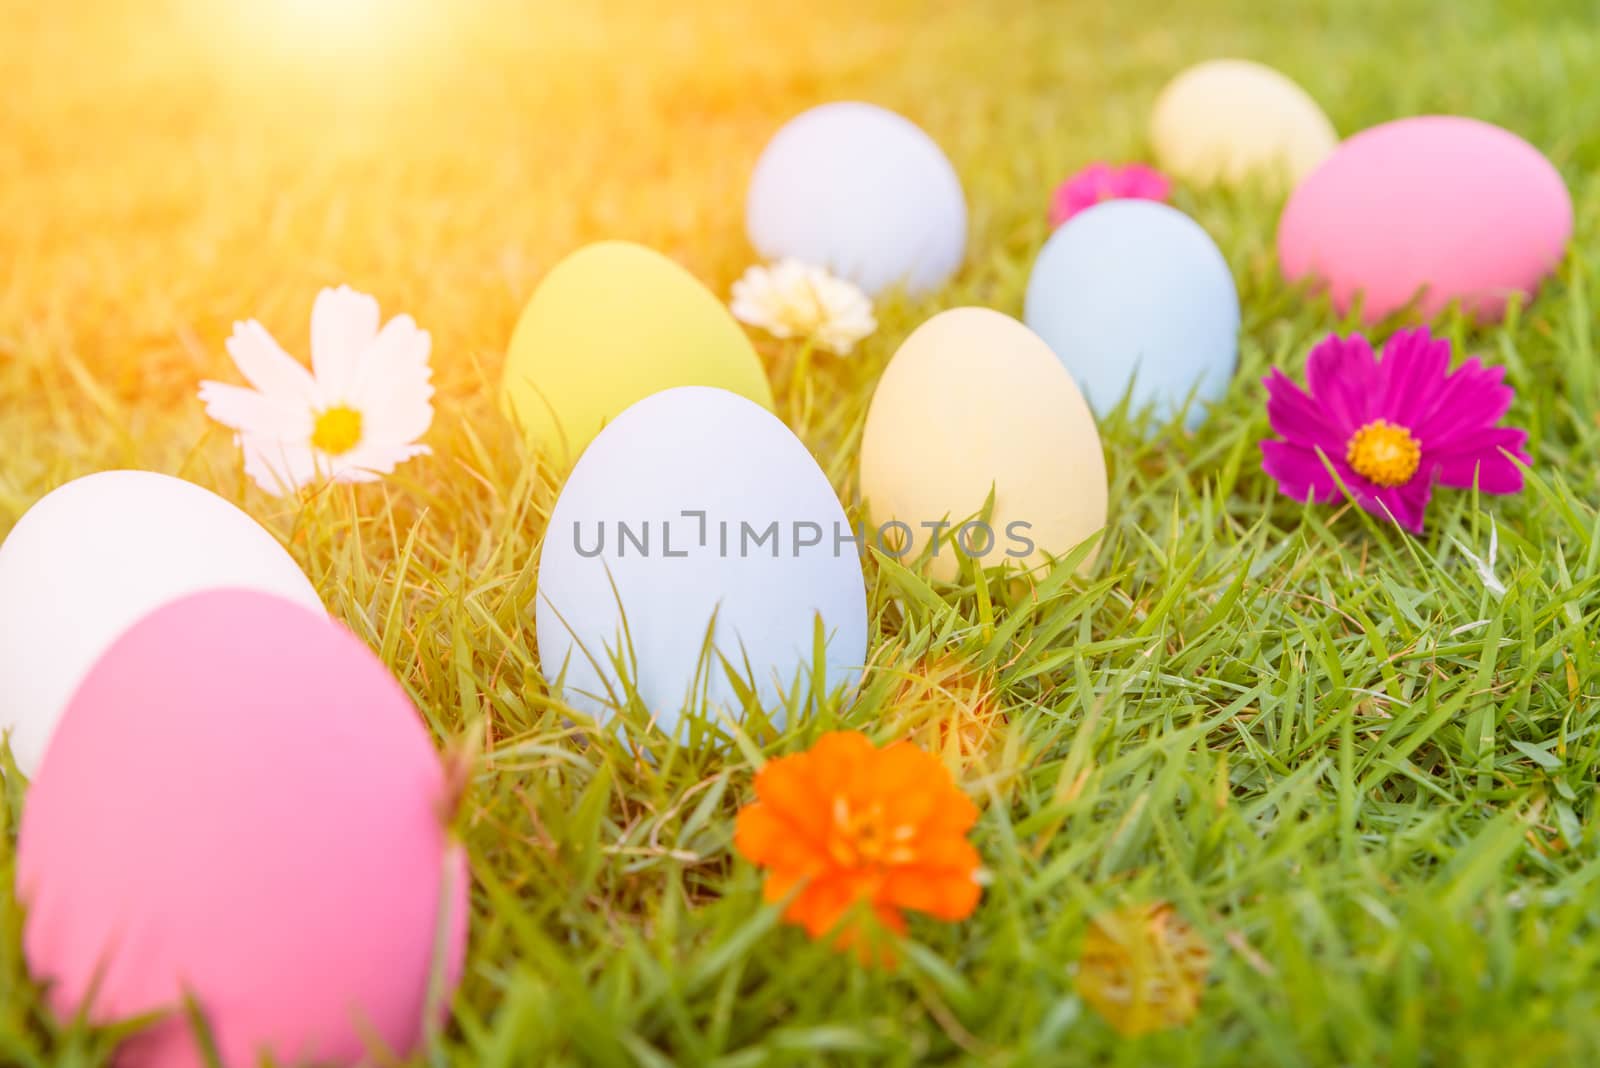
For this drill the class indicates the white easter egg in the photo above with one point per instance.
(1137, 301)
(92, 558)
(697, 514)
(863, 192)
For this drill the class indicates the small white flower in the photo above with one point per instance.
(794, 299)
(355, 416)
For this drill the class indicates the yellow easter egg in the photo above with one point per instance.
(1231, 121)
(611, 324)
(973, 403)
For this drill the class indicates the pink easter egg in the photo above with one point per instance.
(240, 804)
(1450, 207)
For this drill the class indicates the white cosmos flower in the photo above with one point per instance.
(355, 416)
(794, 299)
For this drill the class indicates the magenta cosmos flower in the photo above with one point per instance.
(1391, 427)
(1100, 182)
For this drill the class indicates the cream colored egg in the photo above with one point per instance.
(1232, 121)
(611, 324)
(975, 402)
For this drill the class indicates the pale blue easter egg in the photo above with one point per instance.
(1138, 302)
(863, 192)
(695, 540)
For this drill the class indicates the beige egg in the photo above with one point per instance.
(1231, 121)
(975, 402)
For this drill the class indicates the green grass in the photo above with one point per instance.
(1365, 777)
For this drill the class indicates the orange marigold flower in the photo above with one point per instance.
(1143, 969)
(855, 827)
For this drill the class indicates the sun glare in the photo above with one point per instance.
(323, 30)
(337, 17)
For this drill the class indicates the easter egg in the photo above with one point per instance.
(242, 807)
(863, 192)
(697, 517)
(974, 402)
(92, 557)
(609, 325)
(1448, 208)
(1138, 302)
(1231, 121)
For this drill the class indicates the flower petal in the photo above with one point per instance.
(1412, 375)
(1099, 182)
(795, 299)
(255, 413)
(765, 836)
(1470, 400)
(1145, 182)
(343, 324)
(348, 474)
(1404, 505)
(1296, 416)
(946, 894)
(266, 366)
(391, 385)
(753, 300)
(1300, 471)
(280, 467)
(1342, 374)
(369, 461)
(824, 902)
(1490, 462)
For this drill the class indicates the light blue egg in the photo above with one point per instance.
(1138, 302)
(863, 192)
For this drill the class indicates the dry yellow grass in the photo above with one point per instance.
(168, 167)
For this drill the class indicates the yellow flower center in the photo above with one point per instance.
(864, 838)
(337, 431)
(1384, 454)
